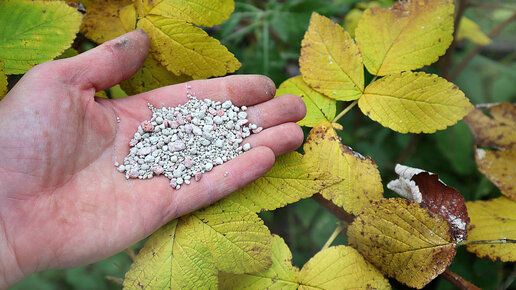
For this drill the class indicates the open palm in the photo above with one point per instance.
(62, 202)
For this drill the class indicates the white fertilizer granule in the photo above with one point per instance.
(183, 142)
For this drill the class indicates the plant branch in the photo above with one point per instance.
(458, 281)
(462, 5)
(349, 107)
(337, 211)
(116, 265)
(341, 226)
(488, 242)
(494, 32)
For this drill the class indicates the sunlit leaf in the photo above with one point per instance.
(318, 106)
(172, 258)
(150, 76)
(340, 267)
(361, 181)
(32, 32)
(291, 179)
(500, 168)
(493, 220)
(330, 61)
(185, 49)
(281, 274)
(414, 102)
(104, 21)
(470, 30)
(404, 240)
(406, 36)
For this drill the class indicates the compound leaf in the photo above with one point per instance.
(500, 168)
(291, 179)
(470, 30)
(185, 49)
(404, 240)
(32, 32)
(406, 36)
(414, 102)
(340, 267)
(172, 258)
(150, 76)
(281, 274)
(318, 106)
(492, 220)
(104, 20)
(330, 61)
(361, 181)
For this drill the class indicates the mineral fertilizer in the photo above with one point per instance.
(186, 141)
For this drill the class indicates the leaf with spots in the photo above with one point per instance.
(414, 102)
(42, 31)
(493, 220)
(500, 168)
(406, 36)
(330, 61)
(361, 182)
(318, 106)
(404, 240)
(105, 20)
(338, 267)
(292, 178)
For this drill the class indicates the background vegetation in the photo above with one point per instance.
(266, 37)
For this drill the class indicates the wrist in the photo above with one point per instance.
(10, 272)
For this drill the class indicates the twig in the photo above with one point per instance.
(344, 111)
(488, 242)
(334, 209)
(462, 5)
(341, 226)
(478, 48)
(116, 265)
(458, 281)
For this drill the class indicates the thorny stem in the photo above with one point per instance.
(343, 215)
(340, 227)
(462, 5)
(478, 48)
(344, 111)
(487, 242)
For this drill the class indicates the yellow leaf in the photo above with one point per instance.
(361, 183)
(281, 275)
(470, 30)
(500, 168)
(330, 61)
(103, 20)
(3, 81)
(318, 106)
(496, 130)
(172, 258)
(198, 12)
(340, 267)
(236, 237)
(150, 76)
(406, 36)
(34, 32)
(414, 102)
(291, 179)
(492, 220)
(404, 240)
(187, 50)
(351, 21)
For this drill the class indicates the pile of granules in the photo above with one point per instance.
(185, 141)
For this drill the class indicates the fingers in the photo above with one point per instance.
(280, 139)
(108, 64)
(282, 109)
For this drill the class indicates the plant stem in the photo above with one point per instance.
(447, 62)
(488, 242)
(117, 280)
(345, 111)
(458, 281)
(340, 227)
(116, 265)
(478, 48)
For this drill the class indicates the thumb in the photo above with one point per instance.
(109, 63)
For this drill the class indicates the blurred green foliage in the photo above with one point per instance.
(266, 37)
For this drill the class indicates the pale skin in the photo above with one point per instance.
(62, 201)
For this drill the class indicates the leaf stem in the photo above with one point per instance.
(458, 281)
(340, 227)
(337, 211)
(488, 242)
(349, 107)
(494, 32)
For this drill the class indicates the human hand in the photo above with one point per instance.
(62, 201)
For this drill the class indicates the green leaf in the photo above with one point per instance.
(330, 61)
(406, 36)
(291, 179)
(32, 32)
(318, 106)
(414, 102)
(172, 258)
(3, 81)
